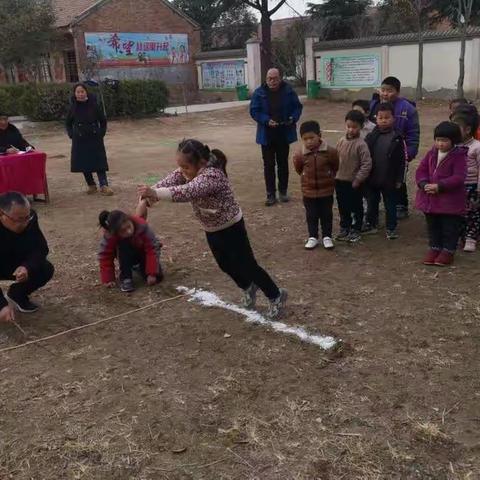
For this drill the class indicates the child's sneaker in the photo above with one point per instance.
(369, 229)
(354, 237)
(444, 259)
(470, 245)
(92, 190)
(311, 243)
(392, 235)
(328, 243)
(126, 285)
(278, 305)
(343, 235)
(250, 297)
(430, 257)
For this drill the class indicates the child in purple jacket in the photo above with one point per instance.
(441, 193)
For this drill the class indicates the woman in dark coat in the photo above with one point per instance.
(86, 126)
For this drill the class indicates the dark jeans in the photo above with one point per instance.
(444, 231)
(402, 197)
(276, 154)
(102, 178)
(233, 253)
(350, 203)
(129, 257)
(374, 196)
(319, 209)
(38, 276)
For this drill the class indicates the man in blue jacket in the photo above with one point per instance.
(276, 109)
(406, 122)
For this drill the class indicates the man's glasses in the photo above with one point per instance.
(19, 221)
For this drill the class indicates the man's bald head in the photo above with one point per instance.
(274, 79)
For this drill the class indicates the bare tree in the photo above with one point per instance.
(266, 13)
(464, 17)
(424, 13)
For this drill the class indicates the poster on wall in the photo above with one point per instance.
(350, 71)
(137, 49)
(223, 75)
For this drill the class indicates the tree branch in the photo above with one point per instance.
(277, 8)
(256, 5)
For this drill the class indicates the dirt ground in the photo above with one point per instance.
(165, 394)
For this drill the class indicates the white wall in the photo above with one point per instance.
(440, 65)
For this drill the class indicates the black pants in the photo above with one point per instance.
(402, 198)
(129, 257)
(319, 209)
(444, 231)
(102, 178)
(233, 253)
(38, 276)
(350, 202)
(276, 154)
(374, 196)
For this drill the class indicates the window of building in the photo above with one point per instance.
(71, 69)
(44, 69)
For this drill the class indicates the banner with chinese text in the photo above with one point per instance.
(223, 75)
(137, 49)
(352, 71)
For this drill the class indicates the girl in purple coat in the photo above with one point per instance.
(441, 193)
(201, 179)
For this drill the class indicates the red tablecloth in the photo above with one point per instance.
(24, 173)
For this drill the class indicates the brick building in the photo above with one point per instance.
(122, 39)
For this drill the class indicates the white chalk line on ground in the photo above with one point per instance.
(210, 299)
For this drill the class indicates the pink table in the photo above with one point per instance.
(24, 173)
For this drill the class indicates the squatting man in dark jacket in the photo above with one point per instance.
(23, 255)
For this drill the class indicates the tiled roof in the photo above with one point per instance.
(67, 11)
(429, 36)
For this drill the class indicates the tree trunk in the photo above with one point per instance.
(266, 46)
(419, 93)
(461, 76)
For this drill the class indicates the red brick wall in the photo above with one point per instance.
(143, 16)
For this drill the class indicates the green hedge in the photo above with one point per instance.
(50, 101)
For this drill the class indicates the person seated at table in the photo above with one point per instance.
(11, 140)
(23, 255)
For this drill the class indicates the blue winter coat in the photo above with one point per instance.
(260, 108)
(407, 123)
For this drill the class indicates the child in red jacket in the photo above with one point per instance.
(130, 240)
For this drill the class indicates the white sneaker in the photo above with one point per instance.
(328, 243)
(312, 243)
(470, 245)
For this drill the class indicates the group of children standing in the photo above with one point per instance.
(370, 163)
